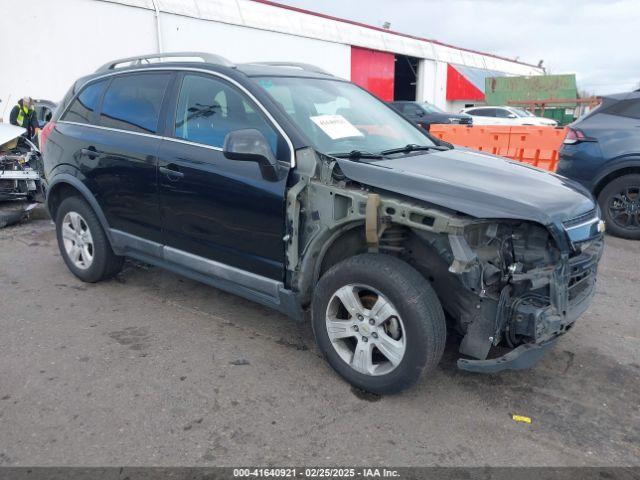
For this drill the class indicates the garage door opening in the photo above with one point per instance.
(406, 78)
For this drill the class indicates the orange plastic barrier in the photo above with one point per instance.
(537, 146)
(492, 139)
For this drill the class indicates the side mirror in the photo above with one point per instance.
(420, 113)
(512, 115)
(250, 145)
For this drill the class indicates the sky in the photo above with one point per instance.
(595, 39)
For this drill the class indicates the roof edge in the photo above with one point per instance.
(380, 29)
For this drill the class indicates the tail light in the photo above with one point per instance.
(575, 135)
(44, 134)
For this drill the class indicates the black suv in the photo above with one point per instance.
(303, 192)
(602, 152)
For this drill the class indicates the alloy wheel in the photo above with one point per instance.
(365, 330)
(77, 239)
(624, 208)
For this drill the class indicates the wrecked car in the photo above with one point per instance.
(19, 166)
(303, 192)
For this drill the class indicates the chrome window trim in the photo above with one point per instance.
(195, 144)
(184, 69)
(119, 130)
(142, 134)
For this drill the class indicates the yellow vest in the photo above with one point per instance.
(21, 112)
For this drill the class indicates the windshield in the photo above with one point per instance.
(339, 117)
(522, 112)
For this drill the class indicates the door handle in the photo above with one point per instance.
(90, 152)
(171, 172)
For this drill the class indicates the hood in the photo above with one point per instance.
(9, 132)
(480, 185)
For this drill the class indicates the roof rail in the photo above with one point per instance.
(302, 66)
(140, 59)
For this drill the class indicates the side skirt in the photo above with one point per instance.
(259, 289)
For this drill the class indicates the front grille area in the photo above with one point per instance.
(580, 219)
(582, 272)
(579, 285)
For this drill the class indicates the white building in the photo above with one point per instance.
(74, 37)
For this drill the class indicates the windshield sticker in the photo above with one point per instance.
(336, 126)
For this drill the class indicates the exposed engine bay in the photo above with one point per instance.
(518, 287)
(20, 165)
(507, 285)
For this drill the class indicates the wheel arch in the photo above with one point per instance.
(335, 246)
(315, 260)
(65, 185)
(632, 167)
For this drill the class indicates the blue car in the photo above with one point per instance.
(602, 152)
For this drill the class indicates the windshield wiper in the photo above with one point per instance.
(356, 154)
(414, 148)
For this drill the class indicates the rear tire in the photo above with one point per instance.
(402, 320)
(83, 244)
(620, 205)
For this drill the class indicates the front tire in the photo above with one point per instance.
(83, 243)
(378, 322)
(620, 205)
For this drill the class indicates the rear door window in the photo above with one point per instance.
(82, 108)
(133, 102)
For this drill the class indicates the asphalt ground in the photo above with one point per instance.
(153, 369)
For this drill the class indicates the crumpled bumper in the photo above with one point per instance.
(520, 358)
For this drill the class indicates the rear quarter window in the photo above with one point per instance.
(133, 102)
(82, 108)
(625, 108)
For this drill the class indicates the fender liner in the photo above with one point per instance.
(74, 182)
(311, 264)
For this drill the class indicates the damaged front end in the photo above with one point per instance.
(510, 287)
(20, 166)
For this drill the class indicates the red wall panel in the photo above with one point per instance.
(373, 71)
(459, 88)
